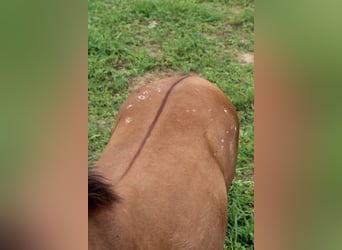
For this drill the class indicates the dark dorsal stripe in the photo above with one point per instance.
(100, 193)
(152, 125)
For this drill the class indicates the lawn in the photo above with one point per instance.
(133, 42)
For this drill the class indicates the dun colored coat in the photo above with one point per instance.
(162, 180)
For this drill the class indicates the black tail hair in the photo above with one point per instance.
(100, 193)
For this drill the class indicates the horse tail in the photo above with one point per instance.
(100, 192)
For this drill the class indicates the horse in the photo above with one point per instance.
(163, 178)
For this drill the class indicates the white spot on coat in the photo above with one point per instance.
(128, 120)
(129, 106)
(141, 97)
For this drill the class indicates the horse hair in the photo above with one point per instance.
(100, 193)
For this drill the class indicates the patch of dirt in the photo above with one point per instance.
(102, 122)
(154, 52)
(214, 36)
(219, 9)
(237, 9)
(152, 24)
(218, 32)
(246, 58)
(139, 81)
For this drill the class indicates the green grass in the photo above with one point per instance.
(202, 37)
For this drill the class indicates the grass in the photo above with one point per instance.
(130, 40)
